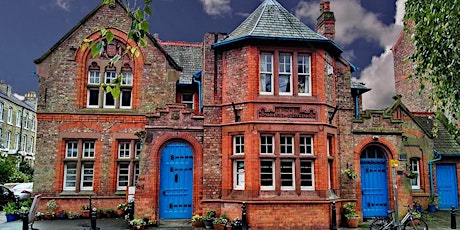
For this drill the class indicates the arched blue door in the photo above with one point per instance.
(374, 182)
(176, 181)
(446, 182)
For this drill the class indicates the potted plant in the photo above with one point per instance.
(221, 222)
(51, 207)
(85, 213)
(432, 202)
(11, 212)
(236, 224)
(137, 224)
(121, 208)
(197, 221)
(109, 212)
(208, 219)
(73, 215)
(410, 174)
(350, 174)
(349, 211)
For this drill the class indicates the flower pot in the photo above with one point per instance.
(120, 212)
(85, 214)
(142, 227)
(198, 224)
(208, 224)
(219, 227)
(10, 217)
(431, 208)
(353, 222)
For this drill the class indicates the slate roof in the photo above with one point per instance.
(359, 87)
(17, 101)
(444, 143)
(187, 55)
(272, 21)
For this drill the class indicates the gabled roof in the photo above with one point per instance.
(271, 21)
(89, 15)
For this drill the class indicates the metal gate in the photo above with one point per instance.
(176, 181)
(374, 183)
(446, 182)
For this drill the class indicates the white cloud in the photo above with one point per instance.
(353, 22)
(216, 7)
(63, 4)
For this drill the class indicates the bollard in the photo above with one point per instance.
(130, 210)
(25, 220)
(93, 218)
(333, 217)
(243, 216)
(453, 220)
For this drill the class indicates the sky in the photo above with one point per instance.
(366, 31)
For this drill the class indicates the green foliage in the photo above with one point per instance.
(10, 208)
(10, 172)
(137, 33)
(349, 210)
(435, 35)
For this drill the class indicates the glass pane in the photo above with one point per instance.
(93, 97)
(126, 98)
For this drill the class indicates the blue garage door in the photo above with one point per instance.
(176, 181)
(374, 182)
(446, 182)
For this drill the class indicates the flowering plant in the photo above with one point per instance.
(197, 218)
(410, 174)
(137, 223)
(122, 206)
(350, 173)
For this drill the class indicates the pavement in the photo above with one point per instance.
(438, 220)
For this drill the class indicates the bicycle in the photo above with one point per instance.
(409, 221)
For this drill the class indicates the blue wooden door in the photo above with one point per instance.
(176, 181)
(446, 182)
(374, 183)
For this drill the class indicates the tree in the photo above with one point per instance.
(435, 35)
(137, 33)
(9, 170)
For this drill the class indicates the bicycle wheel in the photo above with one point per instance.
(380, 223)
(415, 224)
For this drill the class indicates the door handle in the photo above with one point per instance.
(176, 178)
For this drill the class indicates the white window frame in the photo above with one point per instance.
(71, 149)
(2, 111)
(266, 69)
(286, 145)
(238, 145)
(284, 173)
(10, 116)
(415, 168)
(122, 93)
(87, 175)
(138, 149)
(18, 118)
(304, 71)
(94, 77)
(306, 143)
(89, 149)
(189, 104)
(268, 187)
(88, 97)
(285, 69)
(24, 143)
(31, 146)
(108, 106)
(119, 174)
(136, 173)
(8, 140)
(16, 141)
(238, 175)
(312, 174)
(124, 149)
(267, 145)
(109, 76)
(126, 78)
(26, 121)
(66, 175)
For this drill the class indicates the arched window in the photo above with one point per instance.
(102, 71)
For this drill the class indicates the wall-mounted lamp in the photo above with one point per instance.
(375, 138)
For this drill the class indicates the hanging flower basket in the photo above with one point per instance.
(410, 175)
(350, 174)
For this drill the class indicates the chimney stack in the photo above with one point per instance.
(325, 24)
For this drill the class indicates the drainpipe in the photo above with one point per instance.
(430, 167)
(357, 104)
(195, 77)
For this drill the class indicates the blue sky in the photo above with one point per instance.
(365, 29)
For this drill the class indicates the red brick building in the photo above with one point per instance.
(266, 116)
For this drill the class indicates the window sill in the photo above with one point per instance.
(74, 193)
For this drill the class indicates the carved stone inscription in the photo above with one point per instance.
(287, 112)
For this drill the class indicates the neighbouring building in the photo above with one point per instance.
(17, 124)
(266, 116)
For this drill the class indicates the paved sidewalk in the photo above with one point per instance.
(439, 220)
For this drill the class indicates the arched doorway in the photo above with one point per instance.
(374, 182)
(176, 181)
